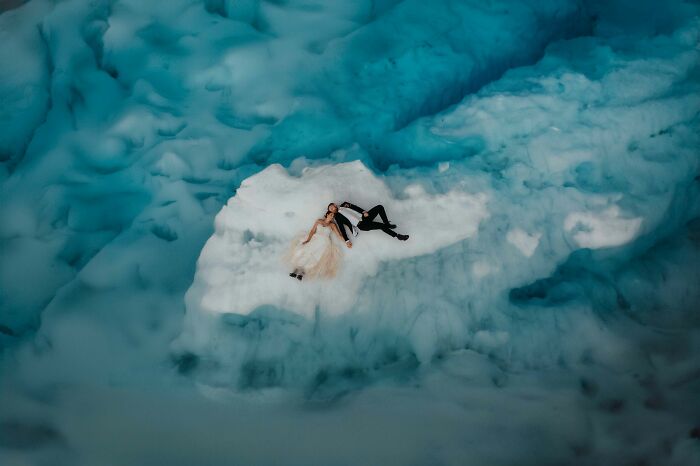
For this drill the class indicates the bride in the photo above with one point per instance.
(317, 256)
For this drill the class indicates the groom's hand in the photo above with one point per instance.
(365, 213)
(349, 244)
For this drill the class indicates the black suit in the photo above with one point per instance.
(342, 222)
(367, 223)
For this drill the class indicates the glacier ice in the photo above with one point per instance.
(575, 196)
(543, 155)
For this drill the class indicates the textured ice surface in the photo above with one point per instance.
(556, 311)
(577, 184)
(154, 115)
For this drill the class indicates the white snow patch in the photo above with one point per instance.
(240, 267)
(525, 242)
(600, 230)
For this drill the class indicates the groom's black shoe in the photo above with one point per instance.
(293, 275)
(402, 237)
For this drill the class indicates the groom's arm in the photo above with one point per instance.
(357, 209)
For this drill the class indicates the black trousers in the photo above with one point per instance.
(367, 223)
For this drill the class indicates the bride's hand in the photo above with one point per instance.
(305, 241)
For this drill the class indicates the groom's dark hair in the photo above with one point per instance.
(329, 206)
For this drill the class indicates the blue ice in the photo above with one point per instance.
(156, 160)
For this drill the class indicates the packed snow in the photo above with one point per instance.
(239, 268)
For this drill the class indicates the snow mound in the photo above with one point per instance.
(241, 267)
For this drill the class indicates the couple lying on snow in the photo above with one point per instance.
(318, 256)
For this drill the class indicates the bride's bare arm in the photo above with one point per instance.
(312, 232)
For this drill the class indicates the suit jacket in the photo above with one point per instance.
(343, 221)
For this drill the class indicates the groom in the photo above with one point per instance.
(354, 217)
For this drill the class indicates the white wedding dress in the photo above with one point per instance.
(319, 258)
